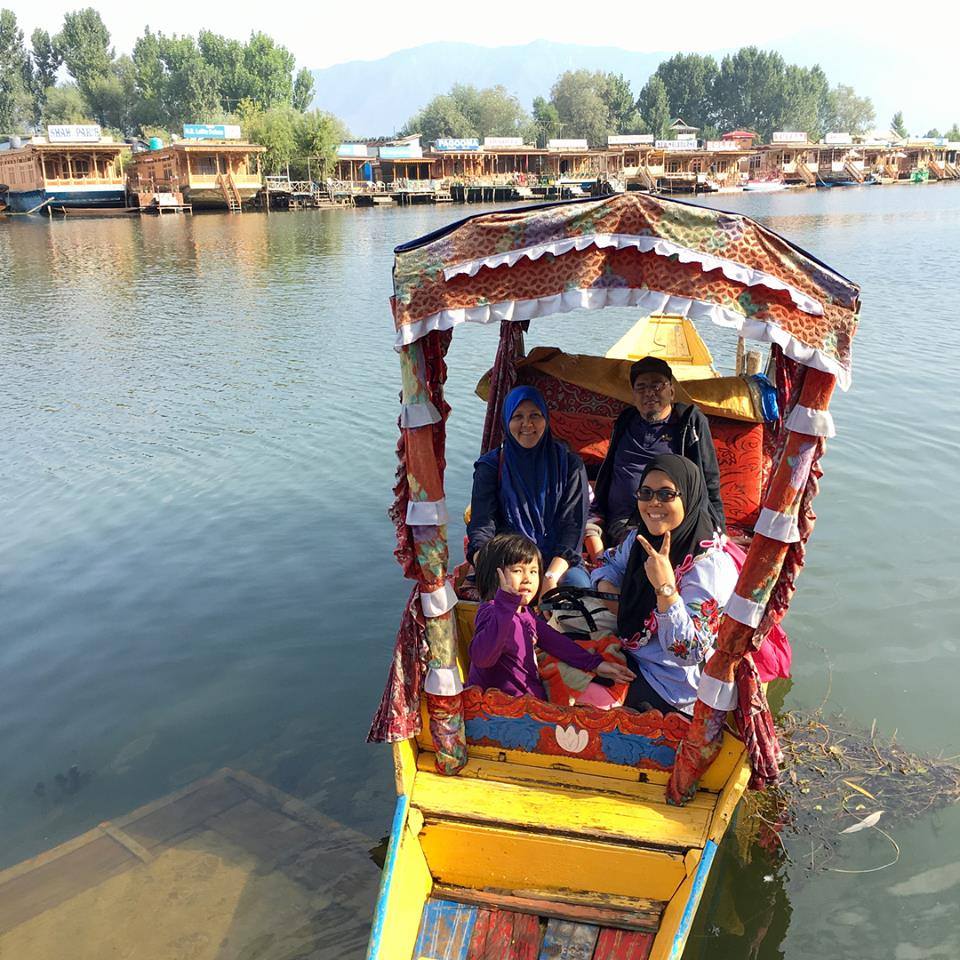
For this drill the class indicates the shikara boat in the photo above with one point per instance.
(527, 829)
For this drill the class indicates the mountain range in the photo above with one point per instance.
(376, 97)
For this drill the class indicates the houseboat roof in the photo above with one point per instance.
(47, 147)
(210, 146)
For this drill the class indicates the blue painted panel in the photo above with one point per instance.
(445, 930)
(693, 901)
(566, 940)
(386, 879)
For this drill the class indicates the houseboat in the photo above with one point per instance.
(208, 174)
(73, 166)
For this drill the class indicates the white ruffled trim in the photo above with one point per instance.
(744, 611)
(777, 526)
(418, 415)
(717, 694)
(814, 423)
(649, 302)
(658, 245)
(426, 513)
(436, 604)
(443, 681)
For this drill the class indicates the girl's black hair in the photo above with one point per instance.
(504, 550)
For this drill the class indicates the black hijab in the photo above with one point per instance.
(637, 595)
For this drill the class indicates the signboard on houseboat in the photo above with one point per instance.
(629, 139)
(353, 150)
(495, 142)
(718, 146)
(788, 136)
(838, 138)
(211, 131)
(73, 133)
(677, 144)
(402, 151)
(456, 144)
(567, 145)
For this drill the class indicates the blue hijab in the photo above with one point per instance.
(531, 481)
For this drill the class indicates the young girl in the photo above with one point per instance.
(502, 650)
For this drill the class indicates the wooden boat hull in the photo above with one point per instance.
(211, 198)
(565, 849)
(67, 197)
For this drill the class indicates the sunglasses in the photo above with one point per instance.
(663, 495)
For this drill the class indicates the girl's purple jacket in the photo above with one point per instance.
(502, 650)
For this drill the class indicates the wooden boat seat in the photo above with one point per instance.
(589, 812)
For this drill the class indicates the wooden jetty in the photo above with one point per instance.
(228, 867)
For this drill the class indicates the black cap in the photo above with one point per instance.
(650, 365)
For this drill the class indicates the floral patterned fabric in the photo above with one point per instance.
(521, 264)
(566, 684)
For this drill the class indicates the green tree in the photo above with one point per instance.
(654, 106)
(898, 126)
(580, 97)
(227, 57)
(441, 117)
(275, 128)
(317, 135)
(303, 90)
(268, 68)
(848, 112)
(65, 104)
(45, 61)
(621, 104)
(84, 44)
(174, 83)
(933, 133)
(15, 100)
(546, 121)
(953, 133)
(468, 112)
(804, 100)
(689, 80)
(749, 90)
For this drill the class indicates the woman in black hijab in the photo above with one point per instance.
(674, 577)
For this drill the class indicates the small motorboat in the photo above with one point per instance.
(764, 186)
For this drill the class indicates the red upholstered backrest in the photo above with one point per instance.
(740, 445)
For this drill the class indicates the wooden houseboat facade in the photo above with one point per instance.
(63, 173)
(793, 162)
(207, 175)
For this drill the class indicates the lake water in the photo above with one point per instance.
(199, 419)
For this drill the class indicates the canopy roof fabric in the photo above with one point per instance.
(663, 256)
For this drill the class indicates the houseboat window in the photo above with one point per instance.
(206, 166)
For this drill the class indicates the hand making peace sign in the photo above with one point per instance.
(658, 567)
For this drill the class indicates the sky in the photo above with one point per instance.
(893, 57)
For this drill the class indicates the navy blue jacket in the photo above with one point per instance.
(691, 439)
(565, 536)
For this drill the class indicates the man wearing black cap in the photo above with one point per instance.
(654, 424)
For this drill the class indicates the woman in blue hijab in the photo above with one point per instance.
(532, 484)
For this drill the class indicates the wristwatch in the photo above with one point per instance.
(667, 589)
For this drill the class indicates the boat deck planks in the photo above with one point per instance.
(598, 816)
(565, 940)
(505, 935)
(445, 930)
(227, 866)
(623, 945)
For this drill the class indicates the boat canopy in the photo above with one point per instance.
(631, 250)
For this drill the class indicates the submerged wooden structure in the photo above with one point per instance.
(532, 829)
(227, 867)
